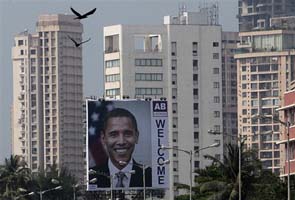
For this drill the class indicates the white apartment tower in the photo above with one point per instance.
(181, 61)
(47, 95)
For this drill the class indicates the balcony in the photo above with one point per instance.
(111, 50)
(244, 45)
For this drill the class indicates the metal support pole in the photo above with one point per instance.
(111, 180)
(288, 158)
(74, 194)
(40, 193)
(143, 175)
(190, 174)
(240, 167)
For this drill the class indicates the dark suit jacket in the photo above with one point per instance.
(136, 179)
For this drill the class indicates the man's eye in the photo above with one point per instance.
(113, 134)
(128, 133)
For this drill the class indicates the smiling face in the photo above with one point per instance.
(119, 139)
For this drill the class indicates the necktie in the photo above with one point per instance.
(120, 176)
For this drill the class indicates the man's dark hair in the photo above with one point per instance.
(120, 112)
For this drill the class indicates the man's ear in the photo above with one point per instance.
(102, 136)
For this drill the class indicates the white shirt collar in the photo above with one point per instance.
(114, 170)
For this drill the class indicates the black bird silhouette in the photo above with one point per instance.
(77, 44)
(79, 16)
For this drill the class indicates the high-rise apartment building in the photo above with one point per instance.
(256, 14)
(47, 95)
(265, 69)
(229, 88)
(181, 61)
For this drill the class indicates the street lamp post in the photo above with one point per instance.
(24, 195)
(240, 167)
(288, 158)
(74, 191)
(190, 153)
(239, 156)
(44, 191)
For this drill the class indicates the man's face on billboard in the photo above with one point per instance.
(119, 139)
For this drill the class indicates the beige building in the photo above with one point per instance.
(265, 64)
(47, 95)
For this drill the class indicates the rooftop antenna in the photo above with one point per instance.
(181, 8)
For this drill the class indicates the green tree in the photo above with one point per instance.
(14, 175)
(220, 180)
(52, 178)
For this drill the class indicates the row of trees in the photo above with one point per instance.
(216, 182)
(220, 180)
(16, 181)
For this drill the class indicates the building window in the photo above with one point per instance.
(215, 44)
(112, 63)
(148, 62)
(195, 63)
(196, 106)
(112, 78)
(215, 55)
(175, 122)
(197, 164)
(174, 93)
(215, 84)
(216, 99)
(173, 64)
(174, 79)
(148, 91)
(173, 49)
(216, 128)
(174, 107)
(196, 120)
(216, 114)
(33, 51)
(195, 77)
(195, 91)
(215, 70)
(148, 77)
(195, 48)
(113, 92)
(196, 135)
(20, 42)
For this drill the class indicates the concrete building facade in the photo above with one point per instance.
(47, 95)
(181, 61)
(288, 113)
(265, 64)
(256, 14)
(229, 88)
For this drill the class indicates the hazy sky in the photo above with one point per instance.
(17, 15)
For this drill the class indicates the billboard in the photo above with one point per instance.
(123, 144)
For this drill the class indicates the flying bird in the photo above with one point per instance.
(77, 44)
(79, 16)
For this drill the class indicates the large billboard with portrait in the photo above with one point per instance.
(124, 139)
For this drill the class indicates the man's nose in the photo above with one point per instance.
(121, 139)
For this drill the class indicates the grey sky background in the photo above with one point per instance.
(17, 15)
